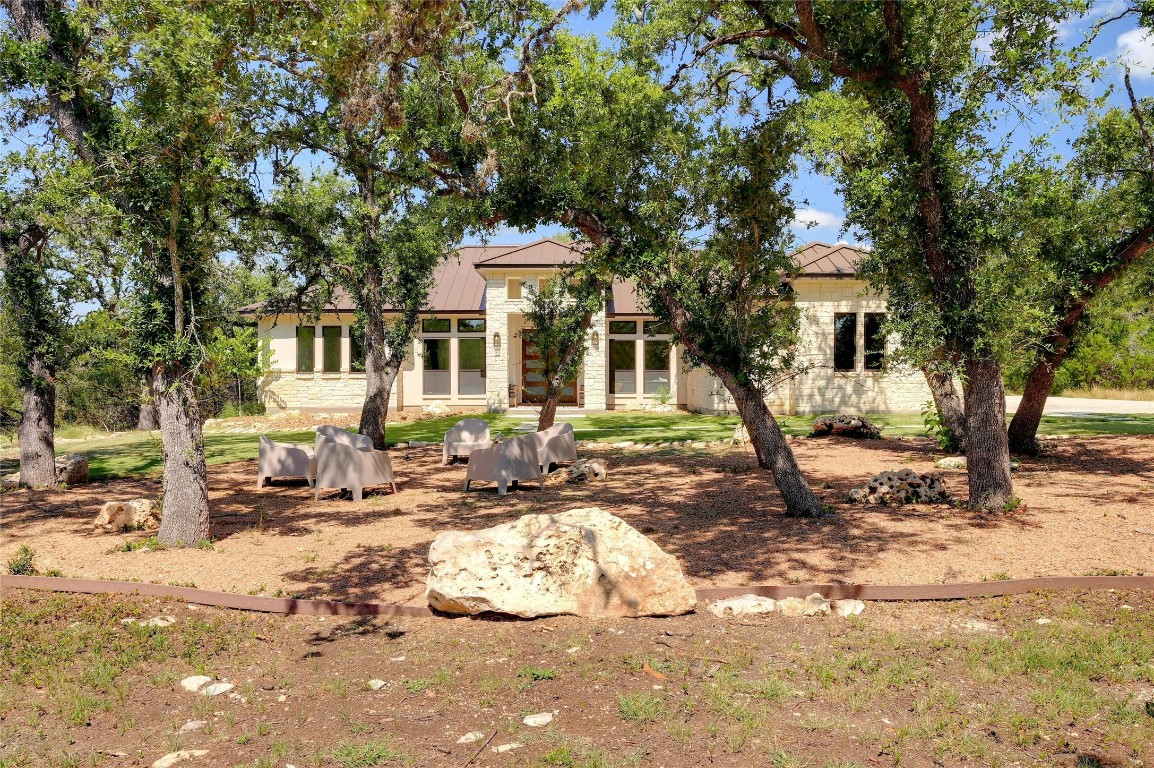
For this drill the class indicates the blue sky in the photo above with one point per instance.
(817, 199)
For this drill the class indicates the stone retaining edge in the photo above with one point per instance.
(289, 605)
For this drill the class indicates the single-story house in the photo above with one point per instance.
(469, 350)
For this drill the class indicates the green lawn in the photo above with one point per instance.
(139, 453)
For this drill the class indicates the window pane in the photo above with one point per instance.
(623, 326)
(356, 350)
(306, 334)
(656, 367)
(471, 367)
(513, 290)
(470, 325)
(622, 367)
(435, 325)
(875, 341)
(331, 336)
(845, 342)
(655, 327)
(436, 354)
(436, 379)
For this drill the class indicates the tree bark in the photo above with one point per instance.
(549, 407)
(987, 446)
(184, 521)
(1023, 433)
(773, 453)
(38, 426)
(381, 368)
(148, 419)
(948, 402)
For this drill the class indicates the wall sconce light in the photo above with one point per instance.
(497, 341)
(596, 339)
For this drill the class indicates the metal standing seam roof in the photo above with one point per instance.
(459, 287)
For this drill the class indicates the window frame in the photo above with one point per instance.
(312, 349)
(879, 335)
(325, 349)
(851, 317)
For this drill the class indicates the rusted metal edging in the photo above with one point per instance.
(289, 605)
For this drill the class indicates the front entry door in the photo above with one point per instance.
(533, 381)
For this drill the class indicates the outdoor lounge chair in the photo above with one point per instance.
(285, 460)
(556, 444)
(505, 463)
(464, 437)
(347, 460)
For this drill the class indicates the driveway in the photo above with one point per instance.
(1085, 406)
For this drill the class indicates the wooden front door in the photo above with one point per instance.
(533, 381)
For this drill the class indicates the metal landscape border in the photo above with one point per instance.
(292, 605)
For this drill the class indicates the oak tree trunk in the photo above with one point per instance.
(1023, 433)
(38, 426)
(148, 419)
(381, 368)
(549, 406)
(773, 452)
(987, 446)
(184, 519)
(948, 403)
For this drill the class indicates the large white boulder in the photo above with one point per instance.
(585, 562)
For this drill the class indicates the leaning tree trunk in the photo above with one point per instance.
(987, 447)
(549, 406)
(1023, 433)
(773, 453)
(38, 426)
(148, 419)
(184, 518)
(948, 403)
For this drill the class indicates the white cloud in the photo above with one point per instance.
(808, 218)
(1136, 50)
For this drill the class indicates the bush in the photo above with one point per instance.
(21, 562)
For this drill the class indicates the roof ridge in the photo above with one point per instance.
(528, 245)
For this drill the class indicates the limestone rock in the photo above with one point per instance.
(902, 487)
(216, 689)
(72, 469)
(796, 607)
(847, 608)
(745, 605)
(538, 720)
(135, 515)
(847, 426)
(437, 408)
(172, 758)
(584, 562)
(502, 748)
(586, 469)
(959, 462)
(376, 684)
(471, 737)
(192, 725)
(195, 683)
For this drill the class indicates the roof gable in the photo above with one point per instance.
(545, 252)
(822, 259)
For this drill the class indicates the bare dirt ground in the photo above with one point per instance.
(978, 683)
(1088, 508)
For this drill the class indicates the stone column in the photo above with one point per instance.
(596, 364)
(674, 370)
(497, 344)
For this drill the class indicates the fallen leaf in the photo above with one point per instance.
(652, 672)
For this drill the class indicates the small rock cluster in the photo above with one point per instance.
(795, 607)
(585, 469)
(901, 487)
(847, 426)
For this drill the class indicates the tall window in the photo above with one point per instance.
(513, 288)
(331, 341)
(356, 349)
(306, 335)
(875, 341)
(844, 342)
(622, 366)
(437, 367)
(656, 367)
(471, 366)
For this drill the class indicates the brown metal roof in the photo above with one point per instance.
(458, 286)
(825, 260)
(545, 252)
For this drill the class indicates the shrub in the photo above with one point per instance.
(21, 562)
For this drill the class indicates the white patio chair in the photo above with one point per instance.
(464, 437)
(508, 462)
(285, 460)
(348, 460)
(556, 444)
